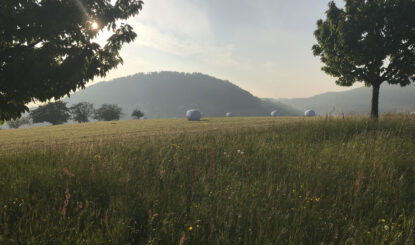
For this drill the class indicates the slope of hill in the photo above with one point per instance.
(393, 99)
(170, 94)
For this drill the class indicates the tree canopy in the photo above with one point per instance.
(47, 47)
(82, 111)
(53, 112)
(368, 41)
(19, 122)
(108, 112)
(137, 113)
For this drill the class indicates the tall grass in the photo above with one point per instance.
(313, 182)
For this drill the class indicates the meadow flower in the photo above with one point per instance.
(150, 214)
(97, 157)
(382, 220)
(196, 173)
(92, 171)
(386, 227)
(190, 228)
(270, 190)
(182, 238)
(67, 172)
(66, 202)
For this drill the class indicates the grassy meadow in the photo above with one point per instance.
(218, 181)
(92, 132)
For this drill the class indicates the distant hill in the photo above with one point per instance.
(393, 99)
(170, 94)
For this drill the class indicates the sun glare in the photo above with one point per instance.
(94, 25)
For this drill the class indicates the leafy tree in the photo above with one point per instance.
(108, 112)
(137, 113)
(19, 122)
(53, 112)
(47, 47)
(82, 111)
(368, 41)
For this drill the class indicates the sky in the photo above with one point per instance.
(263, 46)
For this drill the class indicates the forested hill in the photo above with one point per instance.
(392, 99)
(170, 94)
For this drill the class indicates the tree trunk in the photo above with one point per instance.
(374, 112)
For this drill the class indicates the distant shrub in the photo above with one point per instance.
(82, 111)
(137, 114)
(19, 122)
(108, 112)
(53, 112)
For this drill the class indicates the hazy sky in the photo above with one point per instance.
(263, 46)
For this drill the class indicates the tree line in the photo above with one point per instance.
(59, 113)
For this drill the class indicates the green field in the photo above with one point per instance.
(130, 129)
(218, 181)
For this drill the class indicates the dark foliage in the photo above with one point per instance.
(368, 41)
(82, 111)
(54, 112)
(19, 122)
(137, 113)
(47, 48)
(108, 112)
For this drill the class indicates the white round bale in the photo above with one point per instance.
(228, 114)
(193, 115)
(412, 113)
(275, 113)
(309, 113)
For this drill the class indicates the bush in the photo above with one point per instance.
(108, 112)
(82, 111)
(137, 113)
(19, 122)
(53, 112)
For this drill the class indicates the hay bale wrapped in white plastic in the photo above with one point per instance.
(309, 113)
(228, 114)
(412, 113)
(193, 115)
(275, 113)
